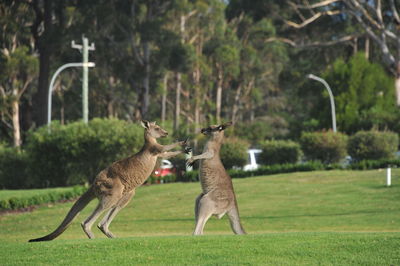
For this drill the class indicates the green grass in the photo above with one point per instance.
(328, 217)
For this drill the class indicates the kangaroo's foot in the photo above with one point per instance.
(106, 231)
(87, 230)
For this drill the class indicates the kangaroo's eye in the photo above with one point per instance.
(158, 129)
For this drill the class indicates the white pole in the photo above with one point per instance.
(333, 111)
(388, 177)
(53, 79)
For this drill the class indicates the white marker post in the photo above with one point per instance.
(388, 176)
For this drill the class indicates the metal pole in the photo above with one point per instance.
(53, 79)
(85, 104)
(311, 76)
(84, 48)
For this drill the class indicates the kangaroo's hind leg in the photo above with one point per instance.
(196, 207)
(106, 202)
(205, 208)
(234, 220)
(106, 221)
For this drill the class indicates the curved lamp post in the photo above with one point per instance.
(311, 76)
(53, 79)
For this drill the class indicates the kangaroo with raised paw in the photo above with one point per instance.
(116, 185)
(218, 196)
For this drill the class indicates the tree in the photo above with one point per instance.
(379, 21)
(18, 65)
(17, 72)
(363, 96)
(224, 55)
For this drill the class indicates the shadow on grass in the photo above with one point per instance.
(280, 217)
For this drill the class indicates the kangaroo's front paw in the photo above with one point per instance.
(190, 162)
(187, 150)
(184, 142)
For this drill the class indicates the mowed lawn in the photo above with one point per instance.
(328, 217)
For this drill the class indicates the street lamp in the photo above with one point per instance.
(53, 79)
(311, 76)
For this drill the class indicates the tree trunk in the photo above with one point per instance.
(15, 120)
(164, 99)
(397, 84)
(44, 45)
(146, 79)
(367, 48)
(219, 96)
(236, 103)
(177, 100)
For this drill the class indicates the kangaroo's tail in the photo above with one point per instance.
(76, 208)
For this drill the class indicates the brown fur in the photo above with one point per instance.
(115, 185)
(218, 196)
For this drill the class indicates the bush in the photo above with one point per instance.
(74, 153)
(14, 169)
(234, 152)
(374, 164)
(327, 146)
(14, 203)
(373, 145)
(191, 176)
(280, 152)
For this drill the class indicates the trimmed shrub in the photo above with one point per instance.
(234, 152)
(192, 176)
(13, 169)
(327, 146)
(373, 145)
(14, 203)
(374, 164)
(74, 153)
(280, 152)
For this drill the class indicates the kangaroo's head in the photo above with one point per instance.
(216, 132)
(154, 130)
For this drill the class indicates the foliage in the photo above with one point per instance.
(326, 146)
(374, 164)
(234, 152)
(75, 153)
(280, 152)
(14, 169)
(364, 96)
(373, 145)
(14, 203)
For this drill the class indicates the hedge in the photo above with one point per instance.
(234, 152)
(280, 152)
(14, 203)
(373, 145)
(14, 169)
(74, 154)
(374, 164)
(327, 146)
(193, 176)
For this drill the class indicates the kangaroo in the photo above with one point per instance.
(218, 196)
(115, 185)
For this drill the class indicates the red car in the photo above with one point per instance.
(166, 168)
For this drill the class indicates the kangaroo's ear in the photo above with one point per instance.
(224, 126)
(145, 124)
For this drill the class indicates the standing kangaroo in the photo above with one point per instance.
(115, 185)
(218, 196)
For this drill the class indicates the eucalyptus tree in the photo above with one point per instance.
(377, 20)
(18, 63)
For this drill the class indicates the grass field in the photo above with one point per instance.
(308, 218)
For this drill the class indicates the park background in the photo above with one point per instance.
(187, 64)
